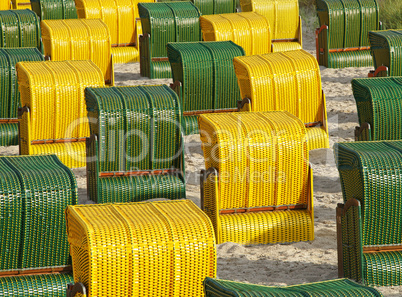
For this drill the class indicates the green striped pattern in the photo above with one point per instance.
(54, 9)
(45, 285)
(20, 28)
(386, 48)
(378, 102)
(206, 72)
(138, 128)
(166, 22)
(332, 288)
(207, 7)
(349, 22)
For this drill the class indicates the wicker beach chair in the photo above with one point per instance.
(207, 7)
(54, 9)
(285, 81)
(342, 39)
(249, 30)
(122, 19)
(379, 108)
(257, 186)
(34, 251)
(5, 5)
(79, 40)
(135, 150)
(163, 23)
(164, 248)
(53, 114)
(386, 49)
(204, 78)
(369, 221)
(337, 287)
(20, 28)
(9, 93)
(283, 16)
(21, 4)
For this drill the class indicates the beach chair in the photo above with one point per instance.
(21, 4)
(79, 40)
(212, 6)
(250, 30)
(204, 78)
(53, 117)
(34, 251)
(135, 150)
(164, 248)
(54, 9)
(285, 22)
(285, 81)
(257, 186)
(5, 5)
(163, 23)
(20, 28)
(337, 287)
(369, 221)
(386, 49)
(9, 93)
(122, 19)
(378, 102)
(342, 39)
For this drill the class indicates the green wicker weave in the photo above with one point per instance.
(206, 74)
(9, 93)
(163, 23)
(137, 129)
(379, 106)
(36, 191)
(331, 288)
(345, 42)
(386, 48)
(212, 6)
(43, 285)
(20, 28)
(54, 9)
(371, 219)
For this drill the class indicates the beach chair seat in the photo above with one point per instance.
(21, 4)
(285, 22)
(369, 220)
(249, 30)
(204, 78)
(342, 39)
(54, 9)
(337, 287)
(386, 49)
(53, 117)
(163, 23)
(164, 248)
(285, 81)
(248, 157)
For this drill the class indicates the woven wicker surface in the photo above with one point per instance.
(20, 28)
(332, 288)
(57, 110)
(349, 22)
(378, 102)
(386, 49)
(286, 81)
(257, 180)
(43, 285)
(206, 73)
(20, 4)
(207, 7)
(54, 9)
(5, 5)
(78, 40)
(250, 30)
(152, 248)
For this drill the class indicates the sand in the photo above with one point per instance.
(279, 264)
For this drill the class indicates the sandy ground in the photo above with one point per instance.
(279, 264)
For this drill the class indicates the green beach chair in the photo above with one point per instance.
(54, 9)
(212, 6)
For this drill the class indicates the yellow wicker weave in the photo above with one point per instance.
(54, 116)
(163, 248)
(257, 167)
(79, 40)
(121, 18)
(283, 16)
(5, 4)
(247, 29)
(21, 4)
(286, 81)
